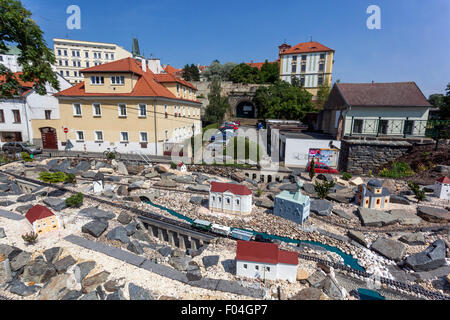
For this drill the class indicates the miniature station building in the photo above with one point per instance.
(42, 220)
(373, 195)
(292, 206)
(442, 188)
(265, 261)
(181, 167)
(230, 198)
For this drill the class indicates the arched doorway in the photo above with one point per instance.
(49, 139)
(246, 109)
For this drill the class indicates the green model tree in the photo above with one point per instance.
(218, 105)
(312, 172)
(17, 27)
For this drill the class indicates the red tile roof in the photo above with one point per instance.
(23, 84)
(168, 78)
(123, 65)
(443, 180)
(171, 70)
(307, 47)
(38, 212)
(264, 252)
(404, 94)
(256, 64)
(236, 189)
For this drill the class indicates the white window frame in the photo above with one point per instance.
(140, 114)
(117, 80)
(140, 137)
(78, 137)
(98, 80)
(96, 136)
(119, 110)
(74, 109)
(128, 136)
(93, 109)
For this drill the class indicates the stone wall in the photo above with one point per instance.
(358, 157)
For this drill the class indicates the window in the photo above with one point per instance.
(167, 137)
(16, 114)
(59, 52)
(228, 200)
(237, 201)
(245, 266)
(294, 58)
(303, 68)
(142, 110)
(98, 136)
(2, 116)
(112, 56)
(383, 126)
(79, 63)
(166, 114)
(294, 68)
(107, 56)
(143, 136)
(67, 73)
(75, 74)
(378, 201)
(60, 62)
(66, 62)
(97, 109)
(74, 63)
(48, 114)
(87, 64)
(304, 58)
(122, 110)
(320, 80)
(65, 53)
(77, 109)
(97, 80)
(322, 56)
(268, 269)
(178, 88)
(73, 54)
(256, 267)
(409, 126)
(358, 126)
(117, 80)
(321, 67)
(302, 81)
(86, 54)
(61, 73)
(124, 137)
(80, 136)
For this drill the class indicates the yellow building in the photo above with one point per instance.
(74, 55)
(42, 220)
(311, 62)
(123, 105)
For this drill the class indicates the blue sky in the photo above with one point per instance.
(412, 45)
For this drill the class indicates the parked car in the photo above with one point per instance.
(17, 147)
(228, 127)
(231, 123)
(320, 167)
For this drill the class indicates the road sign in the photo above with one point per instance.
(66, 130)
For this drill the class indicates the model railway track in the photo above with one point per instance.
(150, 215)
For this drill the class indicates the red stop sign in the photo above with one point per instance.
(66, 130)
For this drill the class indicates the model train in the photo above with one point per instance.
(222, 230)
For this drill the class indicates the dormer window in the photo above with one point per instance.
(117, 80)
(97, 80)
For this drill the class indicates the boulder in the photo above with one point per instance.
(293, 187)
(121, 168)
(209, 261)
(65, 263)
(53, 254)
(196, 200)
(331, 288)
(201, 178)
(26, 198)
(302, 275)
(83, 166)
(118, 295)
(97, 214)
(135, 247)
(325, 177)
(122, 191)
(24, 209)
(264, 203)
(183, 179)
(88, 174)
(92, 282)
(106, 170)
(124, 218)
(356, 181)
(179, 263)
(199, 187)
(342, 214)
(5, 270)
(6, 203)
(55, 289)
(160, 168)
(82, 269)
(375, 218)
(152, 175)
(52, 163)
(399, 199)
(136, 185)
(15, 189)
(56, 193)
(166, 183)
(316, 279)
(310, 293)
(358, 237)
(19, 261)
(321, 207)
(437, 215)
(404, 217)
(413, 239)
(193, 272)
(131, 228)
(2, 233)
(341, 197)
(165, 251)
(38, 271)
(19, 288)
(138, 293)
(9, 252)
(90, 296)
(72, 295)
(62, 167)
(142, 235)
(95, 228)
(389, 248)
(309, 188)
(431, 258)
(56, 203)
(112, 285)
(390, 185)
(119, 234)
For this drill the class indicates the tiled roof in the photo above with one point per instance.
(122, 65)
(171, 70)
(443, 180)
(236, 189)
(400, 94)
(38, 212)
(168, 78)
(256, 64)
(26, 84)
(307, 47)
(264, 252)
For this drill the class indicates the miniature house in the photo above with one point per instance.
(42, 220)
(442, 188)
(265, 261)
(230, 198)
(292, 206)
(373, 195)
(181, 167)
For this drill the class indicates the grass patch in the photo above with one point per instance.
(397, 170)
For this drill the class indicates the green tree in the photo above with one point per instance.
(219, 71)
(312, 172)
(436, 100)
(322, 95)
(243, 73)
(218, 105)
(444, 110)
(270, 72)
(191, 73)
(17, 27)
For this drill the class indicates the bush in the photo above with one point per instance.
(75, 201)
(418, 194)
(111, 156)
(173, 165)
(312, 172)
(259, 192)
(71, 178)
(26, 157)
(30, 238)
(54, 177)
(346, 176)
(398, 170)
(323, 188)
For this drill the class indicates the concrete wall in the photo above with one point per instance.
(287, 272)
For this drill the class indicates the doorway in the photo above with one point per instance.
(49, 139)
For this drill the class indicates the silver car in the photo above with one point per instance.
(17, 147)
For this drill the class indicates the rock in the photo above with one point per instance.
(209, 261)
(138, 293)
(437, 215)
(136, 185)
(6, 203)
(92, 282)
(167, 175)
(325, 268)
(5, 270)
(9, 252)
(2, 233)
(15, 189)
(166, 183)
(122, 191)
(310, 293)
(53, 254)
(179, 263)
(431, 258)
(293, 187)
(38, 271)
(62, 265)
(62, 167)
(119, 234)
(196, 200)
(4, 187)
(356, 181)
(135, 247)
(391, 249)
(165, 251)
(309, 188)
(100, 164)
(201, 178)
(316, 279)
(429, 188)
(95, 228)
(26, 198)
(440, 272)
(302, 274)
(124, 218)
(161, 168)
(342, 214)
(399, 199)
(52, 163)
(55, 289)
(19, 288)
(100, 293)
(183, 179)
(121, 168)
(118, 295)
(321, 207)
(331, 288)
(142, 235)
(106, 170)
(72, 295)
(21, 260)
(358, 237)
(131, 228)
(390, 185)
(199, 187)
(193, 272)
(152, 175)
(341, 197)
(375, 218)
(56, 193)
(404, 217)
(413, 239)
(264, 203)
(97, 214)
(55, 203)
(82, 269)
(88, 174)
(325, 177)
(83, 166)
(90, 296)
(24, 209)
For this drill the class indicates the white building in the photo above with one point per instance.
(230, 198)
(442, 188)
(265, 261)
(9, 59)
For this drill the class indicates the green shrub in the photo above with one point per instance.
(30, 238)
(312, 172)
(4, 159)
(398, 170)
(346, 176)
(52, 177)
(173, 165)
(71, 178)
(26, 157)
(323, 188)
(259, 192)
(75, 201)
(111, 156)
(418, 194)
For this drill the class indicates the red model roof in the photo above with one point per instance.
(38, 212)
(306, 47)
(264, 252)
(443, 180)
(236, 189)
